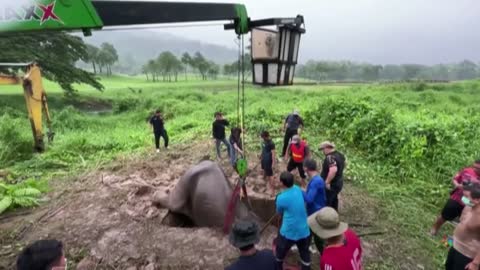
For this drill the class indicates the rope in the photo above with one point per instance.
(243, 97)
(238, 77)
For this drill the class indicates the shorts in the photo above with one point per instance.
(452, 210)
(456, 260)
(267, 169)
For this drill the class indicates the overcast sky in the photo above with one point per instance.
(377, 31)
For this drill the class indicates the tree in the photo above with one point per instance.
(92, 54)
(168, 64)
(145, 70)
(108, 55)
(55, 52)
(186, 60)
(151, 67)
(466, 70)
(371, 72)
(440, 72)
(411, 71)
(199, 62)
(213, 70)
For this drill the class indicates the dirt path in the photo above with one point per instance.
(107, 221)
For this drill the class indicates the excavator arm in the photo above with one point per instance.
(35, 100)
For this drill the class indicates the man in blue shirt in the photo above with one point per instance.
(314, 196)
(294, 229)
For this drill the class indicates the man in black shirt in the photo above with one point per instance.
(267, 159)
(244, 236)
(158, 127)
(332, 172)
(218, 132)
(291, 126)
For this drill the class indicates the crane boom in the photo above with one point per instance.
(86, 15)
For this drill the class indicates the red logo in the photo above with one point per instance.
(49, 13)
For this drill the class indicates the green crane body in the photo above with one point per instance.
(86, 15)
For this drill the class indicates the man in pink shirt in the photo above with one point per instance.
(343, 250)
(454, 206)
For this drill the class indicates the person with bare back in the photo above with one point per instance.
(465, 253)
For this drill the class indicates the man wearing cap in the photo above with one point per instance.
(244, 236)
(294, 229)
(465, 253)
(292, 125)
(332, 172)
(343, 250)
(314, 196)
(298, 152)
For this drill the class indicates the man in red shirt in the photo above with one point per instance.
(343, 250)
(454, 206)
(298, 151)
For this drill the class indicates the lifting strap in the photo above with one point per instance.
(241, 165)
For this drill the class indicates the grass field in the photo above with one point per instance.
(403, 142)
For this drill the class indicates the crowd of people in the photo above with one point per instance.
(308, 211)
(305, 215)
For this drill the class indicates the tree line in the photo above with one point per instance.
(168, 66)
(102, 58)
(351, 71)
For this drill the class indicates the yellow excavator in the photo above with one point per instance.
(35, 99)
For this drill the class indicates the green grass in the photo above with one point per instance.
(403, 141)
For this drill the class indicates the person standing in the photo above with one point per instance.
(343, 249)
(332, 172)
(244, 236)
(267, 158)
(314, 195)
(292, 125)
(236, 143)
(294, 229)
(218, 132)
(454, 206)
(158, 127)
(465, 253)
(298, 152)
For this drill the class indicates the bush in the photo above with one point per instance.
(14, 143)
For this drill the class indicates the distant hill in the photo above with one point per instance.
(136, 47)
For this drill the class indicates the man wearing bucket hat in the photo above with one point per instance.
(292, 125)
(343, 250)
(332, 172)
(244, 236)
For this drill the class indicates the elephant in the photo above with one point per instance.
(202, 195)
